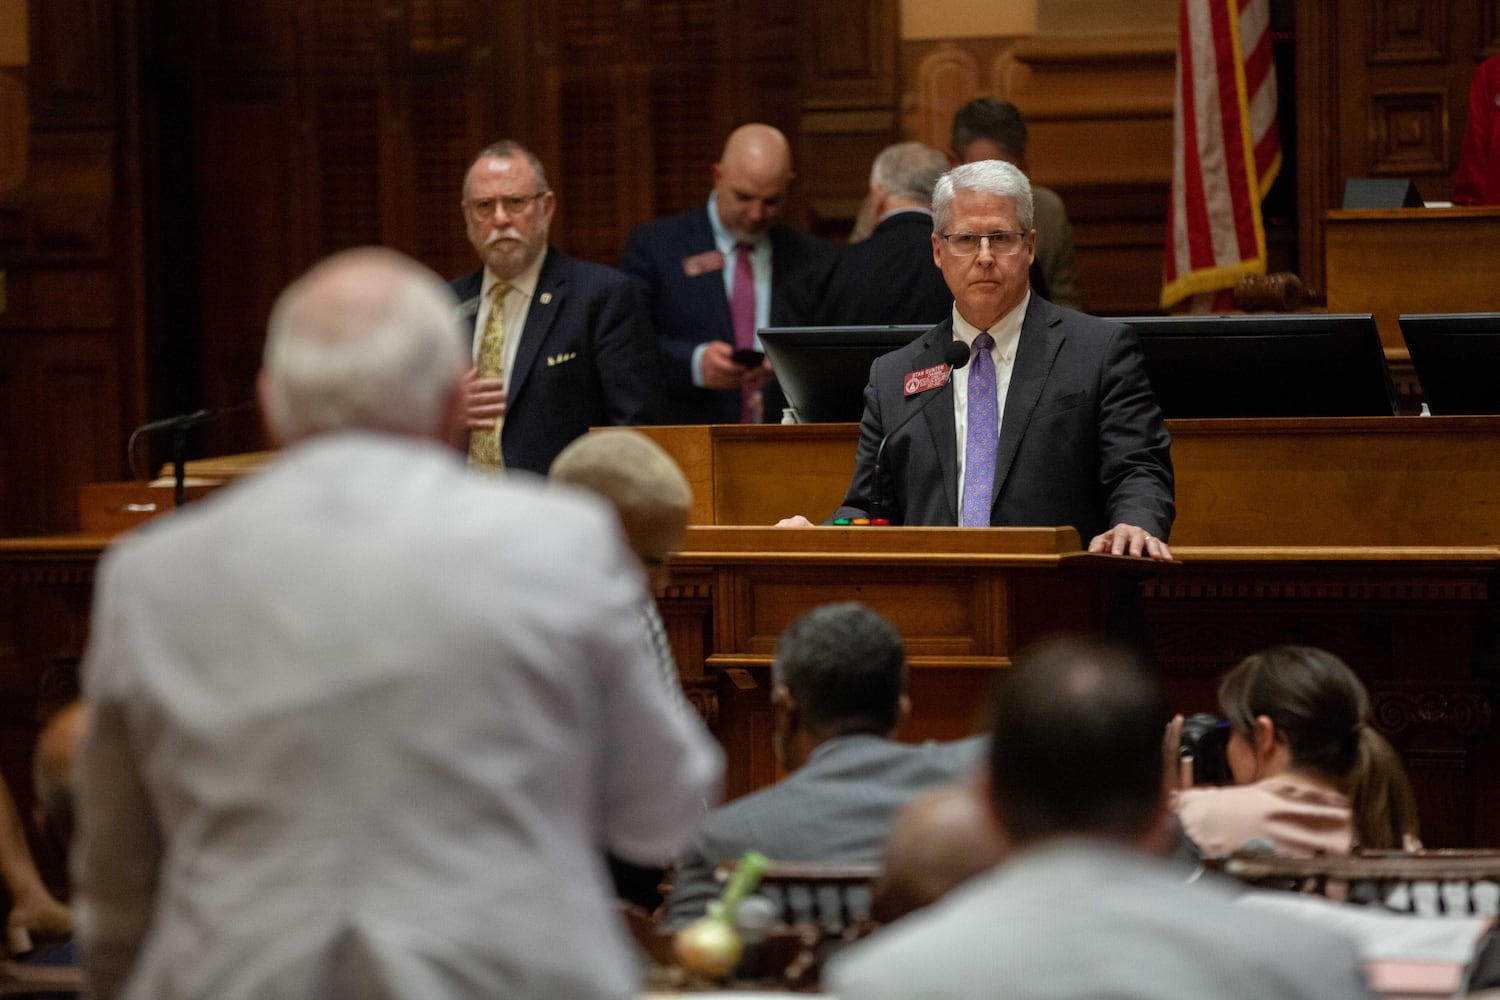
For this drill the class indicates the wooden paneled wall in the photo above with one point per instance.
(1382, 91)
(71, 332)
(1099, 112)
(180, 160)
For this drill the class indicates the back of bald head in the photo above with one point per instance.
(367, 339)
(52, 769)
(758, 149)
(938, 841)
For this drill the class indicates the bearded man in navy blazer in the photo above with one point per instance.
(1074, 433)
(685, 267)
(576, 350)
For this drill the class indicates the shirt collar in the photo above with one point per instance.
(1006, 331)
(525, 282)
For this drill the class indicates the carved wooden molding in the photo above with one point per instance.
(1409, 132)
(945, 79)
(1408, 31)
(1465, 711)
(1267, 588)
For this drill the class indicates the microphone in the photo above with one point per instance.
(179, 422)
(179, 425)
(955, 355)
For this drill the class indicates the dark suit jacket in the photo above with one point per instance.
(585, 359)
(690, 310)
(888, 278)
(836, 807)
(1081, 442)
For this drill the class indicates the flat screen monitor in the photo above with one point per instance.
(1278, 365)
(1457, 358)
(824, 369)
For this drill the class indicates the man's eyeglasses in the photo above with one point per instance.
(514, 204)
(1002, 244)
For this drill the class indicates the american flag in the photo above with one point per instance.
(1226, 149)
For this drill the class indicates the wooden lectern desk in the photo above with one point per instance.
(1410, 260)
(964, 600)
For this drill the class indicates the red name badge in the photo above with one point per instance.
(927, 378)
(702, 263)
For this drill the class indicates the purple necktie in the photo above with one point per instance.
(742, 312)
(983, 436)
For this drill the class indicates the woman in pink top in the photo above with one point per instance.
(1311, 774)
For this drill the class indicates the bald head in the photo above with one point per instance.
(367, 339)
(937, 841)
(750, 180)
(645, 485)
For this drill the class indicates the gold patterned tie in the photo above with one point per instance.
(484, 445)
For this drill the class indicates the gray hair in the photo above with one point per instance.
(908, 170)
(504, 149)
(986, 177)
(366, 339)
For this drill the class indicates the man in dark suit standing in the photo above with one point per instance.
(1051, 422)
(838, 692)
(712, 276)
(560, 345)
(884, 278)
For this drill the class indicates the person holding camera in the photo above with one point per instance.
(1310, 772)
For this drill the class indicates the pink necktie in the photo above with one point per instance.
(742, 313)
(983, 436)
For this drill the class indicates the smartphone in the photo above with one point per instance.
(748, 358)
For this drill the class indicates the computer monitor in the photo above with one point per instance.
(1457, 358)
(1275, 365)
(824, 369)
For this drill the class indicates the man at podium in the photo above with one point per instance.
(1013, 411)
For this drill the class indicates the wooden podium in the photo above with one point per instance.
(964, 600)
(1411, 260)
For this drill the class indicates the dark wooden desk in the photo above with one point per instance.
(1374, 537)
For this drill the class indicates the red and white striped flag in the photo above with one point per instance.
(1226, 150)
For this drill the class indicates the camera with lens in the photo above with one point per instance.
(1205, 741)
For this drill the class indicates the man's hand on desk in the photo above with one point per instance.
(484, 400)
(1128, 540)
(795, 521)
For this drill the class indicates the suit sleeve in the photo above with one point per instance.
(630, 375)
(1135, 458)
(693, 885)
(644, 268)
(661, 770)
(118, 851)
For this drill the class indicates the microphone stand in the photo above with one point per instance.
(179, 463)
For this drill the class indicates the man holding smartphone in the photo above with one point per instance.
(710, 277)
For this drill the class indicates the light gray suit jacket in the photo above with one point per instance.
(1082, 440)
(363, 725)
(836, 807)
(1080, 919)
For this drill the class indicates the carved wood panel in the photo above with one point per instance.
(1409, 31)
(1409, 132)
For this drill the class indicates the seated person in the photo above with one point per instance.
(1311, 773)
(838, 692)
(1080, 908)
(33, 908)
(938, 841)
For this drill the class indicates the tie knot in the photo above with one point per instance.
(743, 247)
(499, 290)
(984, 341)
